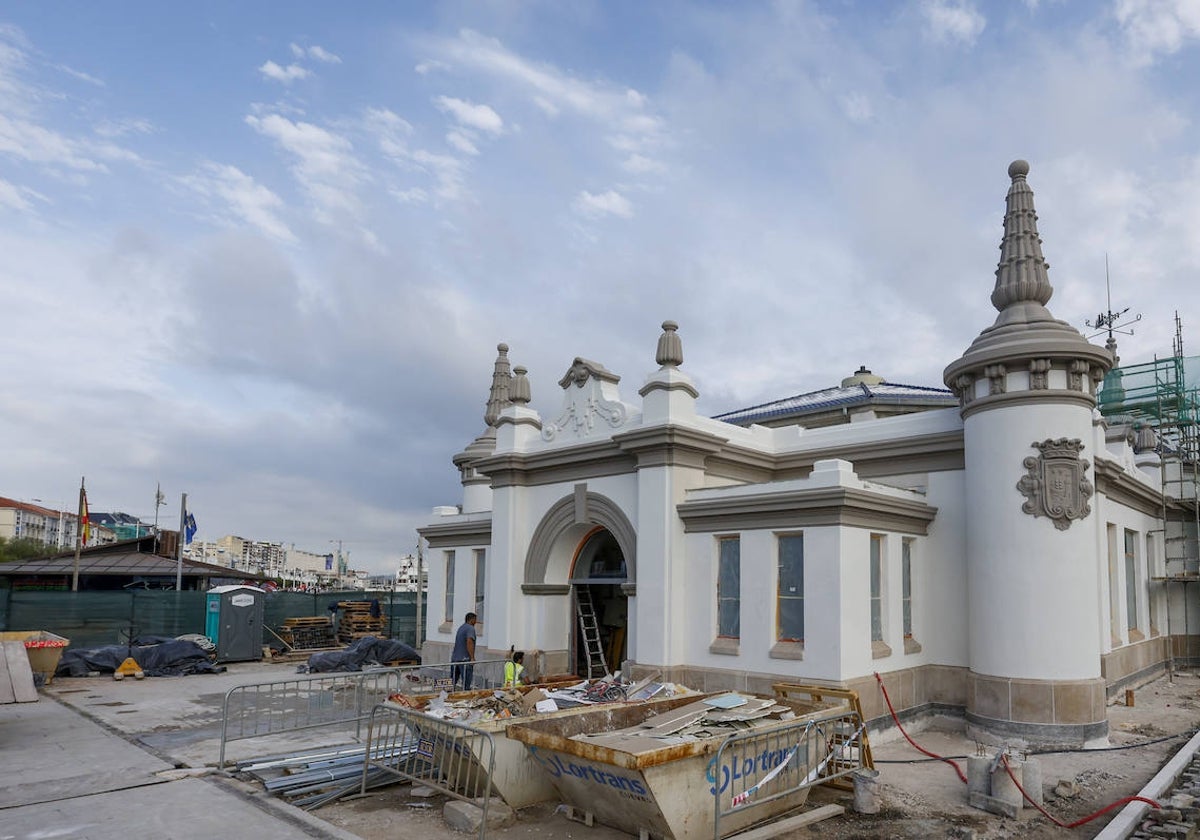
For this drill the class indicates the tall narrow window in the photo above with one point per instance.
(480, 580)
(1131, 580)
(729, 588)
(906, 585)
(1151, 588)
(790, 596)
(449, 587)
(876, 588)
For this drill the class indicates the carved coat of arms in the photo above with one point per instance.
(1056, 485)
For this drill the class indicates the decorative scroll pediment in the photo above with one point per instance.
(590, 400)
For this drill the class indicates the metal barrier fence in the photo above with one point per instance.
(334, 700)
(450, 757)
(809, 752)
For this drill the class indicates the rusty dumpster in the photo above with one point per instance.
(514, 775)
(694, 769)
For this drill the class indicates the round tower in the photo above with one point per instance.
(1027, 389)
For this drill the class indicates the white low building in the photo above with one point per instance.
(993, 550)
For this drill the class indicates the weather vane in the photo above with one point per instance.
(1109, 321)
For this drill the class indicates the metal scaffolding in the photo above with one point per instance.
(1163, 396)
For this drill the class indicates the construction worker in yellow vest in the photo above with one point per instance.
(514, 670)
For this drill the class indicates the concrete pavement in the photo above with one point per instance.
(108, 765)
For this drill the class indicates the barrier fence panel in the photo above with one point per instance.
(449, 677)
(809, 752)
(449, 757)
(309, 701)
(343, 699)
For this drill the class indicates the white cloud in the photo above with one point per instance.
(415, 195)
(16, 198)
(248, 200)
(1157, 26)
(111, 128)
(324, 165)
(620, 108)
(426, 67)
(315, 52)
(471, 115)
(857, 108)
(595, 205)
(640, 165)
(286, 75)
(460, 141)
(953, 20)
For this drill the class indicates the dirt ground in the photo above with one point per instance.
(920, 797)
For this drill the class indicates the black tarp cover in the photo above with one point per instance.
(365, 651)
(157, 658)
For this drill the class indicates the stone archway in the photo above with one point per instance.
(559, 536)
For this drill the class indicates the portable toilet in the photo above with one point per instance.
(234, 622)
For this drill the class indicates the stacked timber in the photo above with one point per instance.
(310, 633)
(355, 621)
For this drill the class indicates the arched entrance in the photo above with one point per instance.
(600, 605)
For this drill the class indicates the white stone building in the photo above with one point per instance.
(993, 550)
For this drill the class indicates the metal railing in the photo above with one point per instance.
(452, 758)
(780, 762)
(334, 700)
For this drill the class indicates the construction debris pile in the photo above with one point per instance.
(500, 704)
(711, 717)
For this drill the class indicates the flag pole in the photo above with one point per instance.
(78, 537)
(420, 622)
(179, 544)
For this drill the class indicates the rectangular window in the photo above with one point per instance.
(876, 588)
(480, 579)
(790, 596)
(906, 584)
(729, 588)
(1131, 580)
(449, 587)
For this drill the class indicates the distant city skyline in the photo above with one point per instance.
(263, 255)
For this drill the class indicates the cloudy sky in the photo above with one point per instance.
(263, 253)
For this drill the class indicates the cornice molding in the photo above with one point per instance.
(847, 506)
(1010, 398)
(670, 446)
(1120, 487)
(454, 534)
(572, 463)
(545, 588)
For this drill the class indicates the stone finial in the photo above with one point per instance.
(1145, 441)
(670, 346)
(498, 397)
(1021, 274)
(519, 393)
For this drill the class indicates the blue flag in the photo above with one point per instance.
(189, 528)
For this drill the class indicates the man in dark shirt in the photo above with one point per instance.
(464, 651)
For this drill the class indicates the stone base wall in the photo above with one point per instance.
(1138, 662)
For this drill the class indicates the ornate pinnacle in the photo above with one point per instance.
(498, 397)
(519, 391)
(1021, 274)
(670, 346)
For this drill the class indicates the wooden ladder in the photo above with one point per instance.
(589, 631)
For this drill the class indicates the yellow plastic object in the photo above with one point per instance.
(129, 666)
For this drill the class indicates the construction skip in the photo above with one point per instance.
(492, 759)
(700, 769)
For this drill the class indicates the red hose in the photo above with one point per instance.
(1123, 801)
(915, 745)
(1004, 759)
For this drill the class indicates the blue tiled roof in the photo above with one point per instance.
(885, 393)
